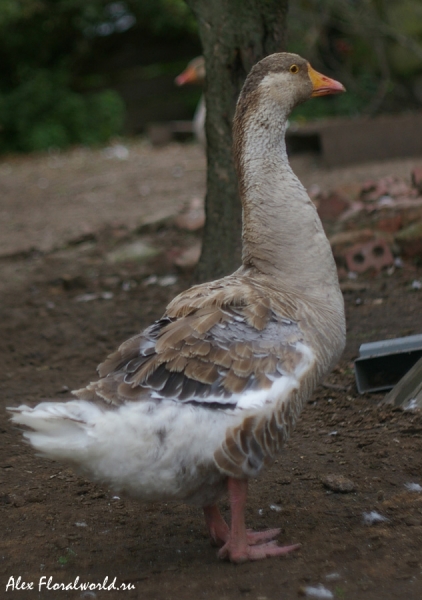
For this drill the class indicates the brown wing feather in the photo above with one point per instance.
(126, 351)
(243, 367)
(216, 335)
(242, 350)
(220, 357)
(175, 335)
(177, 364)
(214, 341)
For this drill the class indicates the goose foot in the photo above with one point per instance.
(220, 533)
(239, 553)
(239, 544)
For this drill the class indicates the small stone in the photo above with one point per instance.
(17, 501)
(413, 487)
(151, 280)
(33, 497)
(284, 480)
(167, 280)
(318, 591)
(373, 517)
(138, 251)
(86, 297)
(338, 484)
(333, 577)
(106, 295)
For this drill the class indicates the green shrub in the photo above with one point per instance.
(44, 112)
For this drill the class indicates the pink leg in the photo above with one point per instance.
(218, 528)
(243, 545)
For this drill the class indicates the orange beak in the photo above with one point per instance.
(323, 85)
(189, 75)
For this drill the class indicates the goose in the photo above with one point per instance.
(202, 400)
(195, 73)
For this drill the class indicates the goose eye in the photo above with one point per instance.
(294, 69)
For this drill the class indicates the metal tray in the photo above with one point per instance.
(382, 364)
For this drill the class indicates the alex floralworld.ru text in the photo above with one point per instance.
(45, 583)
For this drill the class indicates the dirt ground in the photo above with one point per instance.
(67, 301)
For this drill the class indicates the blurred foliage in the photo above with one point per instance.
(374, 47)
(42, 45)
(164, 16)
(43, 112)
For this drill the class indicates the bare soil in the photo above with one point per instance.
(65, 305)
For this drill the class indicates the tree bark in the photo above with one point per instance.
(235, 34)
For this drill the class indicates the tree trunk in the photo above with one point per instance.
(235, 34)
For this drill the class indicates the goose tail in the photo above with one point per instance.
(57, 430)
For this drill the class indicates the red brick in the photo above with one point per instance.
(375, 254)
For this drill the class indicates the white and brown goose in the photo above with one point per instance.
(204, 398)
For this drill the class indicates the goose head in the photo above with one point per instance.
(274, 86)
(285, 80)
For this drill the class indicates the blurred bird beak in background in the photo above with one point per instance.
(188, 76)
